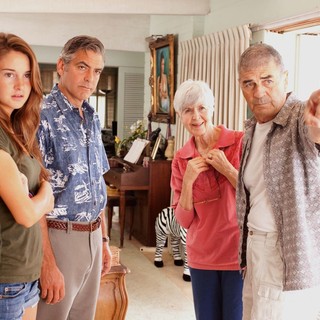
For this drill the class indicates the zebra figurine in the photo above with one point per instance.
(166, 224)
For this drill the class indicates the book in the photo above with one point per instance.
(136, 150)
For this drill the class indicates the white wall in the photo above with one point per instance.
(224, 14)
(228, 13)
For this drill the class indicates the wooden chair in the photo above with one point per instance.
(113, 297)
(114, 201)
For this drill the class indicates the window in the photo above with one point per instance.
(301, 51)
(298, 41)
(105, 98)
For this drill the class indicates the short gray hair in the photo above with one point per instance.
(191, 93)
(258, 54)
(78, 43)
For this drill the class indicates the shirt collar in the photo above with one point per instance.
(59, 96)
(283, 115)
(226, 138)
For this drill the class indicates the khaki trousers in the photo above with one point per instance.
(263, 297)
(79, 258)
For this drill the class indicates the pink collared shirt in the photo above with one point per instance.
(213, 233)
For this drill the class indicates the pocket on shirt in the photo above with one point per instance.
(206, 187)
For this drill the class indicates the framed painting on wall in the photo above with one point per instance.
(162, 79)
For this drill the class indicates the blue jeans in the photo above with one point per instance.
(217, 295)
(16, 297)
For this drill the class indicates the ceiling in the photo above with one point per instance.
(121, 25)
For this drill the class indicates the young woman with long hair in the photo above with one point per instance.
(25, 194)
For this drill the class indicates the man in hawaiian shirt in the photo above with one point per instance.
(76, 249)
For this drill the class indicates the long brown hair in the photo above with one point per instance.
(24, 122)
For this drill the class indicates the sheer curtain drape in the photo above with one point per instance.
(213, 58)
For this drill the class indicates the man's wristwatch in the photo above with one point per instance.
(105, 239)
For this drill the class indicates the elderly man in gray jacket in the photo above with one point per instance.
(278, 202)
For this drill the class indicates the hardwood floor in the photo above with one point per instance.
(153, 293)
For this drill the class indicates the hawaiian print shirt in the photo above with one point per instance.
(73, 152)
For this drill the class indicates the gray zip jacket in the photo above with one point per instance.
(291, 166)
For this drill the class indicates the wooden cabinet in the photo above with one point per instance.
(151, 187)
(113, 299)
(150, 203)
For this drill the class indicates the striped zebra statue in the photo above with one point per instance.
(166, 224)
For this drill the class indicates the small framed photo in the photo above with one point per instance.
(156, 147)
(162, 79)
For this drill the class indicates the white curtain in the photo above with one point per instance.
(214, 58)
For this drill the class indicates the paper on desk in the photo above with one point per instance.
(136, 150)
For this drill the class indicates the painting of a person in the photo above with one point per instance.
(163, 86)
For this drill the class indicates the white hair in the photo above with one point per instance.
(192, 93)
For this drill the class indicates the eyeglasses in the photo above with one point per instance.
(217, 192)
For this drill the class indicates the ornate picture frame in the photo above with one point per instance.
(162, 79)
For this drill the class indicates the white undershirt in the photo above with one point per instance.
(260, 216)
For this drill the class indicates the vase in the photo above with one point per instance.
(120, 152)
(169, 150)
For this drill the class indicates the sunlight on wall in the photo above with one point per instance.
(286, 45)
(308, 65)
(301, 55)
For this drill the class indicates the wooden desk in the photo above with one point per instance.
(113, 299)
(152, 188)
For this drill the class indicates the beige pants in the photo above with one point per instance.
(79, 258)
(263, 298)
